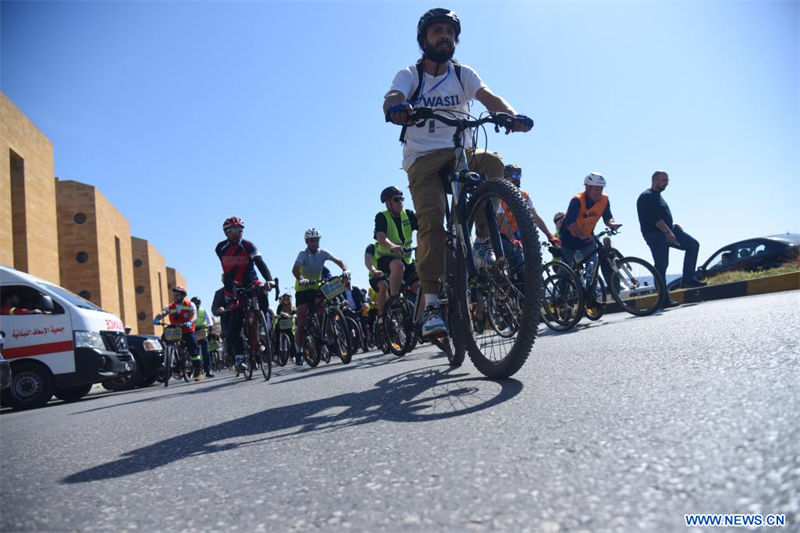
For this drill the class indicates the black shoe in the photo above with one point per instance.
(298, 361)
(692, 283)
(668, 303)
(209, 375)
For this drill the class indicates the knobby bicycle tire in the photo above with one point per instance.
(562, 300)
(637, 299)
(493, 359)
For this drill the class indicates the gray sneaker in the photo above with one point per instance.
(433, 324)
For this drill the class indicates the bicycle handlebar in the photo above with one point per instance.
(499, 119)
(610, 232)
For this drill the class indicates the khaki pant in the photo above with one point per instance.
(428, 194)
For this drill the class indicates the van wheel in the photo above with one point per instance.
(73, 394)
(31, 386)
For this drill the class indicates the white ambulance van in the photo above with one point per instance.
(57, 342)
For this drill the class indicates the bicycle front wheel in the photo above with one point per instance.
(509, 286)
(562, 303)
(311, 344)
(283, 347)
(169, 357)
(338, 332)
(636, 286)
(264, 354)
(398, 325)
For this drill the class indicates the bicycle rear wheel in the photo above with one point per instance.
(513, 282)
(636, 286)
(453, 309)
(562, 303)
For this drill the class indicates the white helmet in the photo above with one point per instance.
(595, 178)
(313, 233)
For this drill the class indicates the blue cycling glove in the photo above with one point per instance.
(525, 120)
(396, 108)
(155, 321)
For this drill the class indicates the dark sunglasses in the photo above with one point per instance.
(516, 175)
(398, 199)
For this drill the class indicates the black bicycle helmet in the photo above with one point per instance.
(390, 191)
(510, 170)
(438, 14)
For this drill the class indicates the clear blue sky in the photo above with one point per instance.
(271, 111)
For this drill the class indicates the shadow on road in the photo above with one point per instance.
(431, 393)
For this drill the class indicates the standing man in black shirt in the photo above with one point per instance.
(660, 233)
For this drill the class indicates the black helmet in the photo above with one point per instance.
(390, 191)
(195, 300)
(438, 14)
(510, 170)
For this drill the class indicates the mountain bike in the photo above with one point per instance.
(499, 346)
(255, 332)
(326, 328)
(634, 285)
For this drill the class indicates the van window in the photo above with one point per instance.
(24, 299)
(71, 297)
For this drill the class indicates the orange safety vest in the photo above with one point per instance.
(512, 222)
(179, 315)
(587, 218)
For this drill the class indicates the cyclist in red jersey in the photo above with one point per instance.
(240, 258)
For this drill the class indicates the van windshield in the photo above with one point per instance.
(71, 297)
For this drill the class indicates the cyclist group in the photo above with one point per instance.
(436, 81)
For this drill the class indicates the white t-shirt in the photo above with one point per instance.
(442, 92)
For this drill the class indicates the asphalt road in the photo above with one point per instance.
(625, 424)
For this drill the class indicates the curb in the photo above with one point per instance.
(778, 283)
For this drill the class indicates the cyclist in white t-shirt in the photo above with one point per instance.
(438, 82)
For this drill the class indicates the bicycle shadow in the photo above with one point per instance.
(280, 375)
(432, 393)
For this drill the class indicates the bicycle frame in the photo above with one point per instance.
(602, 255)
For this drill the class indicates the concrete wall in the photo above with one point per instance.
(28, 234)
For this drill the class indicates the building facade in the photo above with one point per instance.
(28, 234)
(70, 234)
